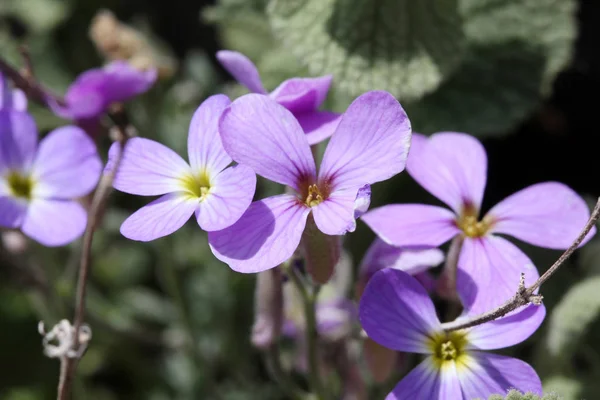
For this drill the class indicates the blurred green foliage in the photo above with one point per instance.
(169, 320)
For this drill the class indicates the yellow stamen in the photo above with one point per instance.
(468, 222)
(20, 185)
(447, 347)
(197, 186)
(314, 197)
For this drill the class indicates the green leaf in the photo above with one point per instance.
(572, 317)
(569, 388)
(516, 395)
(405, 47)
(47, 15)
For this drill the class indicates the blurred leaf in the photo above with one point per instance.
(405, 47)
(146, 304)
(568, 388)
(572, 317)
(47, 14)
(516, 395)
(495, 87)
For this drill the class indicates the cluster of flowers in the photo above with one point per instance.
(270, 134)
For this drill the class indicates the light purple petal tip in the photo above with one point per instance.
(491, 270)
(335, 216)
(18, 140)
(54, 222)
(160, 218)
(396, 312)
(427, 382)
(451, 166)
(242, 69)
(509, 330)
(381, 255)
(230, 196)
(265, 236)
(318, 125)
(486, 374)
(148, 168)
(370, 144)
(67, 164)
(259, 133)
(300, 95)
(412, 224)
(548, 214)
(205, 149)
(11, 99)
(362, 201)
(12, 212)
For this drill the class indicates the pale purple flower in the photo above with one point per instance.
(302, 96)
(370, 145)
(11, 99)
(95, 90)
(216, 193)
(453, 167)
(38, 182)
(396, 312)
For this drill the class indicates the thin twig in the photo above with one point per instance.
(68, 365)
(31, 87)
(525, 296)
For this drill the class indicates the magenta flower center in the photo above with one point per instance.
(20, 185)
(448, 347)
(470, 224)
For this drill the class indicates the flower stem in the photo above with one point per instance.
(280, 376)
(309, 295)
(525, 296)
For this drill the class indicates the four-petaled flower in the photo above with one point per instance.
(453, 167)
(396, 312)
(95, 90)
(38, 183)
(370, 145)
(302, 96)
(218, 195)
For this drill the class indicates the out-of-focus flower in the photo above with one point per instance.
(396, 312)
(302, 96)
(116, 40)
(38, 183)
(95, 90)
(216, 193)
(453, 167)
(414, 261)
(11, 99)
(268, 308)
(370, 145)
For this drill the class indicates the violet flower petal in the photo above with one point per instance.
(548, 214)
(123, 81)
(18, 141)
(509, 330)
(205, 149)
(12, 212)
(148, 168)
(485, 374)
(396, 312)
(160, 218)
(259, 133)
(318, 125)
(54, 222)
(335, 215)
(67, 164)
(11, 99)
(265, 236)
(450, 166)
(300, 95)
(362, 201)
(242, 69)
(229, 197)
(492, 268)
(370, 144)
(428, 382)
(412, 224)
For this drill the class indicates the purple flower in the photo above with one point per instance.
(38, 183)
(218, 195)
(302, 96)
(95, 90)
(453, 167)
(11, 99)
(370, 145)
(396, 312)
